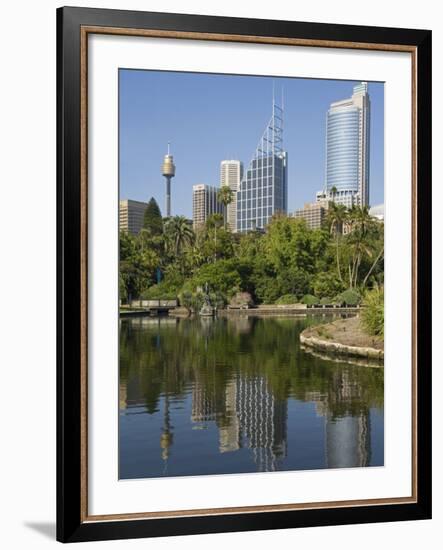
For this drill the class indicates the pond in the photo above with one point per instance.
(237, 394)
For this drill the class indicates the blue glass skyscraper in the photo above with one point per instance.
(263, 190)
(347, 149)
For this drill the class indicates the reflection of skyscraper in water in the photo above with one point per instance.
(247, 415)
(348, 441)
(347, 437)
(229, 429)
(262, 422)
(222, 409)
(206, 406)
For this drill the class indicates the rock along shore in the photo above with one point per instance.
(343, 337)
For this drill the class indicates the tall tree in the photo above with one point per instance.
(225, 195)
(179, 233)
(337, 216)
(364, 243)
(212, 224)
(152, 219)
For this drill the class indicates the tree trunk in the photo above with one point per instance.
(379, 255)
(357, 267)
(338, 259)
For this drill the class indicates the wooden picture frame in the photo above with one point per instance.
(74, 523)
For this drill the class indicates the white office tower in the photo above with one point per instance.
(231, 173)
(204, 204)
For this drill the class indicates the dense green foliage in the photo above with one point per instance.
(373, 316)
(287, 299)
(161, 291)
(349, 297)
(309, 300)
(287, 261)
(152, 220)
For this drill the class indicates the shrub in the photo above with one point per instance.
(122, 290)
(197, 301)
(160, 291)
(267, 289)
(326, 284)
(221, 276)
(373, 314)
(287, 299)
(323, 332)
(217, 299)
(349, 297)
(309, 300)
(326, 301)
(186, 299)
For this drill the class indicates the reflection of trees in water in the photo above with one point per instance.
(241, 372)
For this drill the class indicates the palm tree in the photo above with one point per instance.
(214, 221)
(362, 219)
(179, 233)
(225, 195)
(333, 192)
(337, 216)
(362, 227)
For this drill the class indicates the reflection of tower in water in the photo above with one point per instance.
(348, 441)
(229, 429)
(262, 422)
(347, 437)
(166, 437)
(247, 415)
(206, 406)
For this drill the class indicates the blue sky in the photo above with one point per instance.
(208, 118)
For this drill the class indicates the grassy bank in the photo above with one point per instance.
(344, 337)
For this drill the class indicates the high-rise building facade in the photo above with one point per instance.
(231, 174)
(347, 149)
(263, 190)
(131, 215)
(313, 213)
(204, 203)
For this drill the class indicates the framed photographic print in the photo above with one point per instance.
(244, 274)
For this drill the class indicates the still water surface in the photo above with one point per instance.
(235, 395)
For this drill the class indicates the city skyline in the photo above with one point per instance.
(205, 135)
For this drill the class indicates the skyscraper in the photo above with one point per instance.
(204, 203)
(131, 215)
(347, 149)
(264, 188)
(313, 213)
(231, 174)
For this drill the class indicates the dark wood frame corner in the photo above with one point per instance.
(73, 26)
